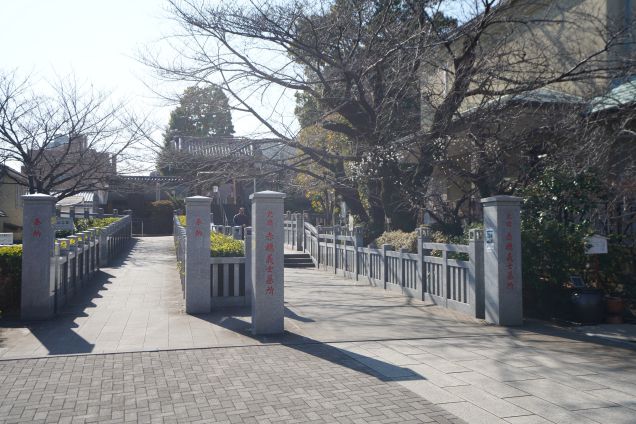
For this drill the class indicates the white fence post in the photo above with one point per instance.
(502, 260)
(248, 265)
(37, 292)
(385, 264)
(198, 295)
(335, 249)
(476, 270)
(357, 243)
(300, 230)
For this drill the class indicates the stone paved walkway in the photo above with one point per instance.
(341, 338)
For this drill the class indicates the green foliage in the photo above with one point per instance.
(399, 240)
(202, 112)
(555, 222)
(10, 277)
(63, 233)
(220, 244)
(225, 246)
(84, 224)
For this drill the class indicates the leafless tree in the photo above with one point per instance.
(385, 68)
(66, 137)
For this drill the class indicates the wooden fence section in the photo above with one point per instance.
(452, 278)
(77, 258)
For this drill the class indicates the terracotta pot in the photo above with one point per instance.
(614, 305)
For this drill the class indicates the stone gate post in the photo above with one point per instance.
(502, 260)
(38, 237)
(198, 293)
(268, 239)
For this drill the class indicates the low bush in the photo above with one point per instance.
(225, 246)
(399, 240)
(84, 224)
(220, 244)
(10, 277)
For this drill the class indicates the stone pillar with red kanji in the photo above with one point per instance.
(198, 293)
(268, 308)
(502, 260)
(38, 238)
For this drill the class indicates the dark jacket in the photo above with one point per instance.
(239, 220)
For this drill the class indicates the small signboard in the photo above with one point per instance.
(6, 239)
(64, 224)
(577, 282)
(489, 237)
(596, 245)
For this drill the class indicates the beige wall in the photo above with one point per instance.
(11, 204)
(562, 34)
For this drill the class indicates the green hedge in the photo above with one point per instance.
(220, 244)
(85, 224)
(10, 277)
(225, 246)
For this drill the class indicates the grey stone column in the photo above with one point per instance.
(100, 212)
(71, 212)
(38, 294)
(198, 294)
(236, 233)
(87, 213)
(248, 265)
(300, 231)
(268, 309)
(502, 260)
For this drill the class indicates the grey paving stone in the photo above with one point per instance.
(430, 391)
(624, 399)
(528, 419)
(617, 415)
(472, 414)
(489, 385)
(561, 395)
(550, 411)
(498, 370)
(499, 407)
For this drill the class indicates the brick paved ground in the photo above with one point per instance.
(259, 384)
(479, 373)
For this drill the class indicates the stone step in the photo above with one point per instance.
(298, 260)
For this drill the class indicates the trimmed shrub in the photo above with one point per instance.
(220, 244)
(225, 246)
(10, 277)
(399, 240)
(84, 224)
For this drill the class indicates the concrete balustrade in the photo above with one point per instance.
(52, 270)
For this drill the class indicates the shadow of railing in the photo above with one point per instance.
(56, 334)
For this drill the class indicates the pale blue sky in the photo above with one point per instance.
(98, 42)
(95, 40)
